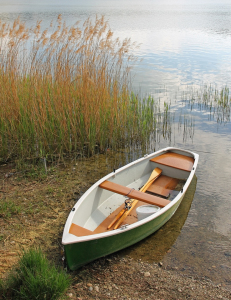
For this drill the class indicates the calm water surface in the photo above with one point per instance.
(183, 46)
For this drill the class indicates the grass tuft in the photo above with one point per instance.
(35, 277)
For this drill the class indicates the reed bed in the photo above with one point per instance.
(66, 90)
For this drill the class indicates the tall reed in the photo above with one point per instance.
(63, 89)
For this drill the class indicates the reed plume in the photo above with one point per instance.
(65, 90)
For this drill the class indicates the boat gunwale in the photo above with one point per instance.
(71, 239)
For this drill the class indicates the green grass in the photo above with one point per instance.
(9, 208)
(35, 278)
(32, 170)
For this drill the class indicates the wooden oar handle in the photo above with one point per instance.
(120, 221)
(147, 184)
(116, 218)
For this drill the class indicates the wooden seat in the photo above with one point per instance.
(133, 194)
(79, 230)
(163, 186)
(175, 160)
(132, 216)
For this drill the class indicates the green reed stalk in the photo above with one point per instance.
(66, 90)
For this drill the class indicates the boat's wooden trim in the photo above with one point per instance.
(175, 160)
(133, 194)
(163, 185)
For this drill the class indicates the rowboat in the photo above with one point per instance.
(127, 205)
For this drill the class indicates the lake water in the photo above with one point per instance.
(184, 46)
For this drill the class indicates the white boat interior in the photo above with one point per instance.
(100, 204)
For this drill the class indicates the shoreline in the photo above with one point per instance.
(35, 213)
(124, 278)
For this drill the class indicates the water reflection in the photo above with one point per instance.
(200, 250)
(181, 43)
(155, 247)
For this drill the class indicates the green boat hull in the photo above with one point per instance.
(79, 254)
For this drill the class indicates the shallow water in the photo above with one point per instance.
(183, 46)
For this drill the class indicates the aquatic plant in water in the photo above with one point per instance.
(215, 101)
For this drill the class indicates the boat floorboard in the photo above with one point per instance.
(130, 219)
(163, 186)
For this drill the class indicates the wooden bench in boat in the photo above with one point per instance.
(133, 194)
(162, 186)
(79, 230)
(130, 219)
(175, 160)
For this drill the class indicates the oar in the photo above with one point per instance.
(116, 218)
(155, 173)
(124, 212)
(123, 217)
(134, 202)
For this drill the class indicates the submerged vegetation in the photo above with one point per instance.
(34, 277)
(66, 90)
